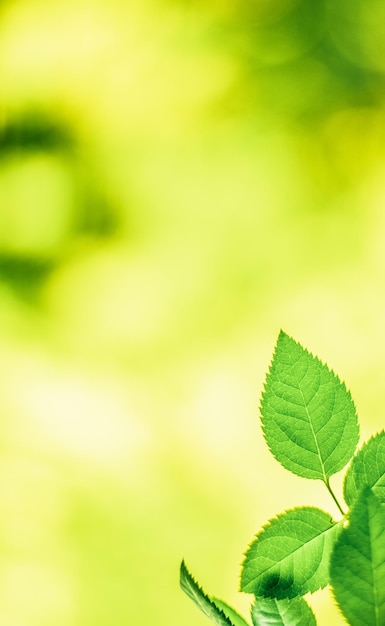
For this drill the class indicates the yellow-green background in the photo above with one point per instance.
(179, 179)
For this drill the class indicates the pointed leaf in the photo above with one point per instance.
(202, 600)
(308, 416)
(272, 612)
(358, 563)
(367, 469)
(231, 613)
(290, 556)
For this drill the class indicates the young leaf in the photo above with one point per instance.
(290, 556)
(271, 612)
(308, 416)
(357, 568)
(367, 469)
(207, 605)
(231, 613)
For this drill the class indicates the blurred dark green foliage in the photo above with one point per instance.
(34, 132)
(305, 59)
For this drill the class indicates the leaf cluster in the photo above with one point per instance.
(310, 425)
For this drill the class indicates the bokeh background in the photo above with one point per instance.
(179, 180)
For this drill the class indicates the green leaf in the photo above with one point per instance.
(358, 563)
(231, 613)
(293, 612)
(206, 604)
(308, 416)
(290, 556)
(367, 470)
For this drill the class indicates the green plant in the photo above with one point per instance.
(310, 425)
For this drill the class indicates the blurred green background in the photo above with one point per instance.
(179, 180)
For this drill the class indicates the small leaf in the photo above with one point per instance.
(207, 605)
(231, 613)
(308, 416)
(293, 612)
(358, 563)
(367, 469)
(290, 556)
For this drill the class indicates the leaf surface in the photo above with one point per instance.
(358, 563)
(290, 556)
(271, 612)
(308, 416)
(206, 604)
(367, 469)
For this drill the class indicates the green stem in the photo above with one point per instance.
(330, 490)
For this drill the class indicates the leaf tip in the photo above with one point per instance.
(184, 575)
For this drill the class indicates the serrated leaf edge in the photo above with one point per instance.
(352, 462)
(230, 609)
(267, 525)
(281, 334)
(185, 575)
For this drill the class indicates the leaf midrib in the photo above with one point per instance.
(296, 549)
(325, 478)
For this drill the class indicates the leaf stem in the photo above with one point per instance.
(330, 490)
